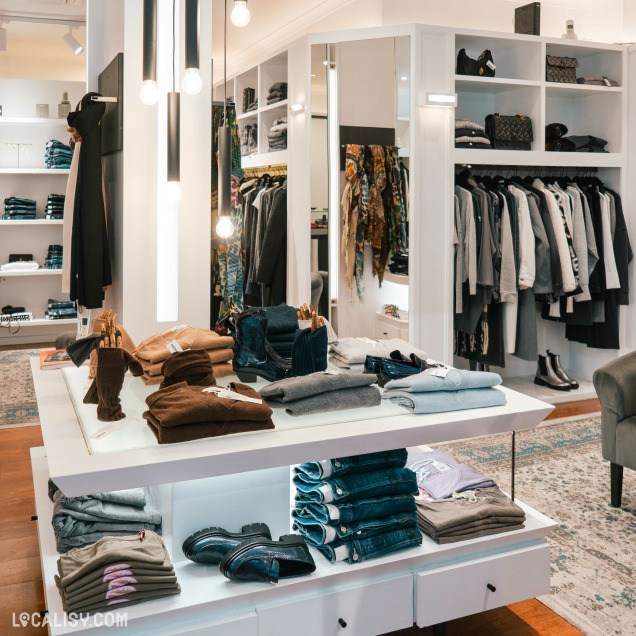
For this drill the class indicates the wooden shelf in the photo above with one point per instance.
(49, 171)
(24, 222)
(398, 279)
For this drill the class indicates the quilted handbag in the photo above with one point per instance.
(483, 66)
(560, 69)
(509, 132)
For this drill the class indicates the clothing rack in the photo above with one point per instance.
(535, 170)
(277, 170)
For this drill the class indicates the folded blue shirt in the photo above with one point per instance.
(455, 380)
(443, 401)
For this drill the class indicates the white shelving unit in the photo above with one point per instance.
(51, 172)
(35, 272)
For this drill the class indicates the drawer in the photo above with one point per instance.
(382, 330)
(243, 625)
(459, 590)
(367, 610)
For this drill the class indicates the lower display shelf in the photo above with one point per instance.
(525, 384)
(206, 594)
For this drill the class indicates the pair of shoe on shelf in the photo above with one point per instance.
(250, 555)
(550, 373)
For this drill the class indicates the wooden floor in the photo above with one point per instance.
(21, 576)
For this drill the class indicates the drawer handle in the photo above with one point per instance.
(491, 587)
(342, 622)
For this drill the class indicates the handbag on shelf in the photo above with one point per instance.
(484, 66)
(509, 132)
(560, 69)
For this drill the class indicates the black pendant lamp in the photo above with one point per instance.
(149, 93)
(192, 82)
(174, 129)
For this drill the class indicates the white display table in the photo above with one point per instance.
(242, 479)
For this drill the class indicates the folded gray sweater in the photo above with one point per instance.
(341, 400)
(292, 389)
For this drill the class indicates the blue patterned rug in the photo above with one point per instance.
(561, 473)
(18, 406)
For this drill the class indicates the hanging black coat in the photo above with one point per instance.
(90, 258)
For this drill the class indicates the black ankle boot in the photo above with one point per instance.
(555, 359)
(253, 355)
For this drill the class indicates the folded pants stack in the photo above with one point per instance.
(58, 309)
(277, 135)
(80, 521)
(277, 93)
(55, 206)
(16, 209)
(400, 263)
(350, 353)
(181, 413)
(282, 325)
(53, 258)
(357, 508)
(114, 573)
(469, 134)
(322, 392)
(153, 351)
(58, 155)
(427, 392)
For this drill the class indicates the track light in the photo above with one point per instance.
(72, 43)
(240, 15)
(149, 93)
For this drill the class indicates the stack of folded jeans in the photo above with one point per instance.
(181, 413)
(58, 309)
(53, 258)
(282, 325)
(58, 155)
(79, 521)
(249, 140)
(153, 351)
(16, 208)
(250, 102)
(322, 392)
(277, 93)
(351, 353)
(468, 515)
(114, 573)
(442, 390)
(596, 80)
(277, 135)
(400, 263)
(357, 508)
(55, 206)
(469, 134)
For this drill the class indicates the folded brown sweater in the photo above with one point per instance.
(154, 349)
(222, 370)
(217, 356)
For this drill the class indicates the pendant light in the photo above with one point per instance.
(192, 82)
(240, 13)
(149, 93)
(174, 126)
(225, 227)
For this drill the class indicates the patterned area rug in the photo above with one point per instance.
(17, 397)
(561, 473)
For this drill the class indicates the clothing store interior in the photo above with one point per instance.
(318, 316)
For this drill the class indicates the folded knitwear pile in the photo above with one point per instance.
(153, 351)
(277, 93)
(80, 521)
(556, 141)
(19, 266)
(357, 508)
(350, 353)
(441, 390)
(18, 209)
(58, 155)
(115, 573)
(469, 134)
(277, 135)
(282, 325)
(399, 263)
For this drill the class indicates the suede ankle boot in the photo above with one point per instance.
(193, 367)
(309, 351)
(112, 365)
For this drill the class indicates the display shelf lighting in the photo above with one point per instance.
(297, 108)
(445, 100)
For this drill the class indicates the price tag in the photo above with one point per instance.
(109, 429)
(490, 65)
(174, 347)
(226, 394)
(440, 372)
(607, 82)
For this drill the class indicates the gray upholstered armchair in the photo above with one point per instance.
(615, 384)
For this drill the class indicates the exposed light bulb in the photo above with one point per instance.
(149, 93)
(192, 82)
(240, 15)
(225, 227)
(173, 191)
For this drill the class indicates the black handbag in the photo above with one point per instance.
(483, 66)
(509, 132)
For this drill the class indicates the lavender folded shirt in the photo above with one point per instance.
(439, 475)
(455, 380)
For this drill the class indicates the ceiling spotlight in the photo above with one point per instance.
(404, 78)
(3, 37)
(72, 43)
(240, 15)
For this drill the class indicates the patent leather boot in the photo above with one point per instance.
(555, 359)
(546, 376)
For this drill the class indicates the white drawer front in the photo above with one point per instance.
(366, 610)
(244, 625)
(460, 590)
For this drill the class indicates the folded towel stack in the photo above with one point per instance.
(469, 134)
(114, 573)
(79, 521)
(322, 392)
(58, 155)
(18, 209)
(350, 353)
(357, 508)
(277, 135)
(58, 309)
(53, 258)
(277, 93)
(19, 266)
(181, 413)
(153, 351)
(55, 206)
(442, 390)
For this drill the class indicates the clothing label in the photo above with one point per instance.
(607, 82)
(331, 372)
(490, 65)
(174, 347)
(109, 429)
(226, 394)
(440, 372)
(178, 327)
